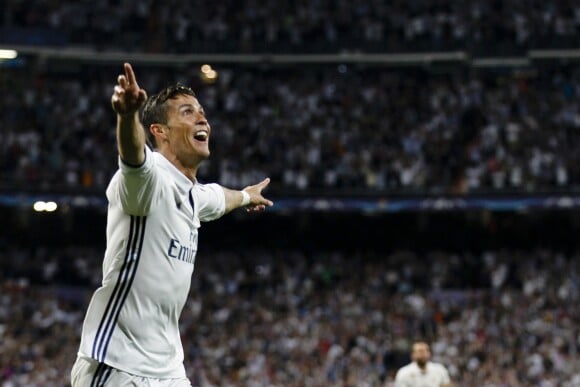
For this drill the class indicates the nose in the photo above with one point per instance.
(203, 122)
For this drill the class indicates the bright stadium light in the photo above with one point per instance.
(8, 54)
(212, 74)
(51, 207)
(208, 74)
(39, 206)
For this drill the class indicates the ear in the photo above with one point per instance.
(159, 132)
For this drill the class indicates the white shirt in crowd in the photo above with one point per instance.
(434, 375)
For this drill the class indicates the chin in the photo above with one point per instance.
(200, 157)
(202, 152)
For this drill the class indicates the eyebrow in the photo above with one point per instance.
(200, 110)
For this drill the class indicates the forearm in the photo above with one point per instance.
(234, 199)
(131, 139)
(250, 197)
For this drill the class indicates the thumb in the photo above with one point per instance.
(142, 95)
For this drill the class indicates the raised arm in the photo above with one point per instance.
(252, 199)
(126, 100)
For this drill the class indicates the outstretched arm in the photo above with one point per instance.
(126, 101)
(254, 201)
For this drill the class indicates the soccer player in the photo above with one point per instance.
(130, 335)
(422, 372)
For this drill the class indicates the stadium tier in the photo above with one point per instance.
(328, 130)
(482, 27)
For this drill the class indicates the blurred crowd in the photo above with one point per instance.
(488, 27)
(331, 128)
(504, 318)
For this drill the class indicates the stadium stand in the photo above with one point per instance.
(321, 318)
(332, 129)
(483, 27)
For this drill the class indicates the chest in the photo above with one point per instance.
(178, 213)
(174, 227)
(424, 379)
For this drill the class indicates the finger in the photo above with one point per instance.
(257, 208)
(142, 95)
(266, 202)
(119, 90)
(130, 74)
(122, 81)
(117, 93)
(263, 184)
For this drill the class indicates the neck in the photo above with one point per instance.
(189, 172)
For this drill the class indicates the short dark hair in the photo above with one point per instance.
(154, 111)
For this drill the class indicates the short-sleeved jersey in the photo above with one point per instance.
(434, 375)
(153, 218)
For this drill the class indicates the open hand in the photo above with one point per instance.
(257, 201)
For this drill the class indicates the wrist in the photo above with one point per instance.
(126, 116)
(245, 198)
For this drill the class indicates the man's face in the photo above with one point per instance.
(188, 134)
(421, 354)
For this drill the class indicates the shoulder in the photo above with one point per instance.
(211, 189)
(438, 367)
(152, 165)
(405, 370)
(155, 156)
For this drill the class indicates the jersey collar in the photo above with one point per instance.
(426, 367)
(182, 181)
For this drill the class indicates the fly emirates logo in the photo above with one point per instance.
(183, 252)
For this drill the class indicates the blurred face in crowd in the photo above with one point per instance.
(421, 354)
(184, 139)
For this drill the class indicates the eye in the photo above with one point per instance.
(187, 112)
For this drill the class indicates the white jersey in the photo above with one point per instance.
(434, 375)
(152, 223)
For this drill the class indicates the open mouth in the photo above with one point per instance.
(201, 135)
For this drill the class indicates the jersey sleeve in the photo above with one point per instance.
(136, 189)
(211, 201)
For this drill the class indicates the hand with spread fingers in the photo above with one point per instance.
(127, 97)
(257, 201)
